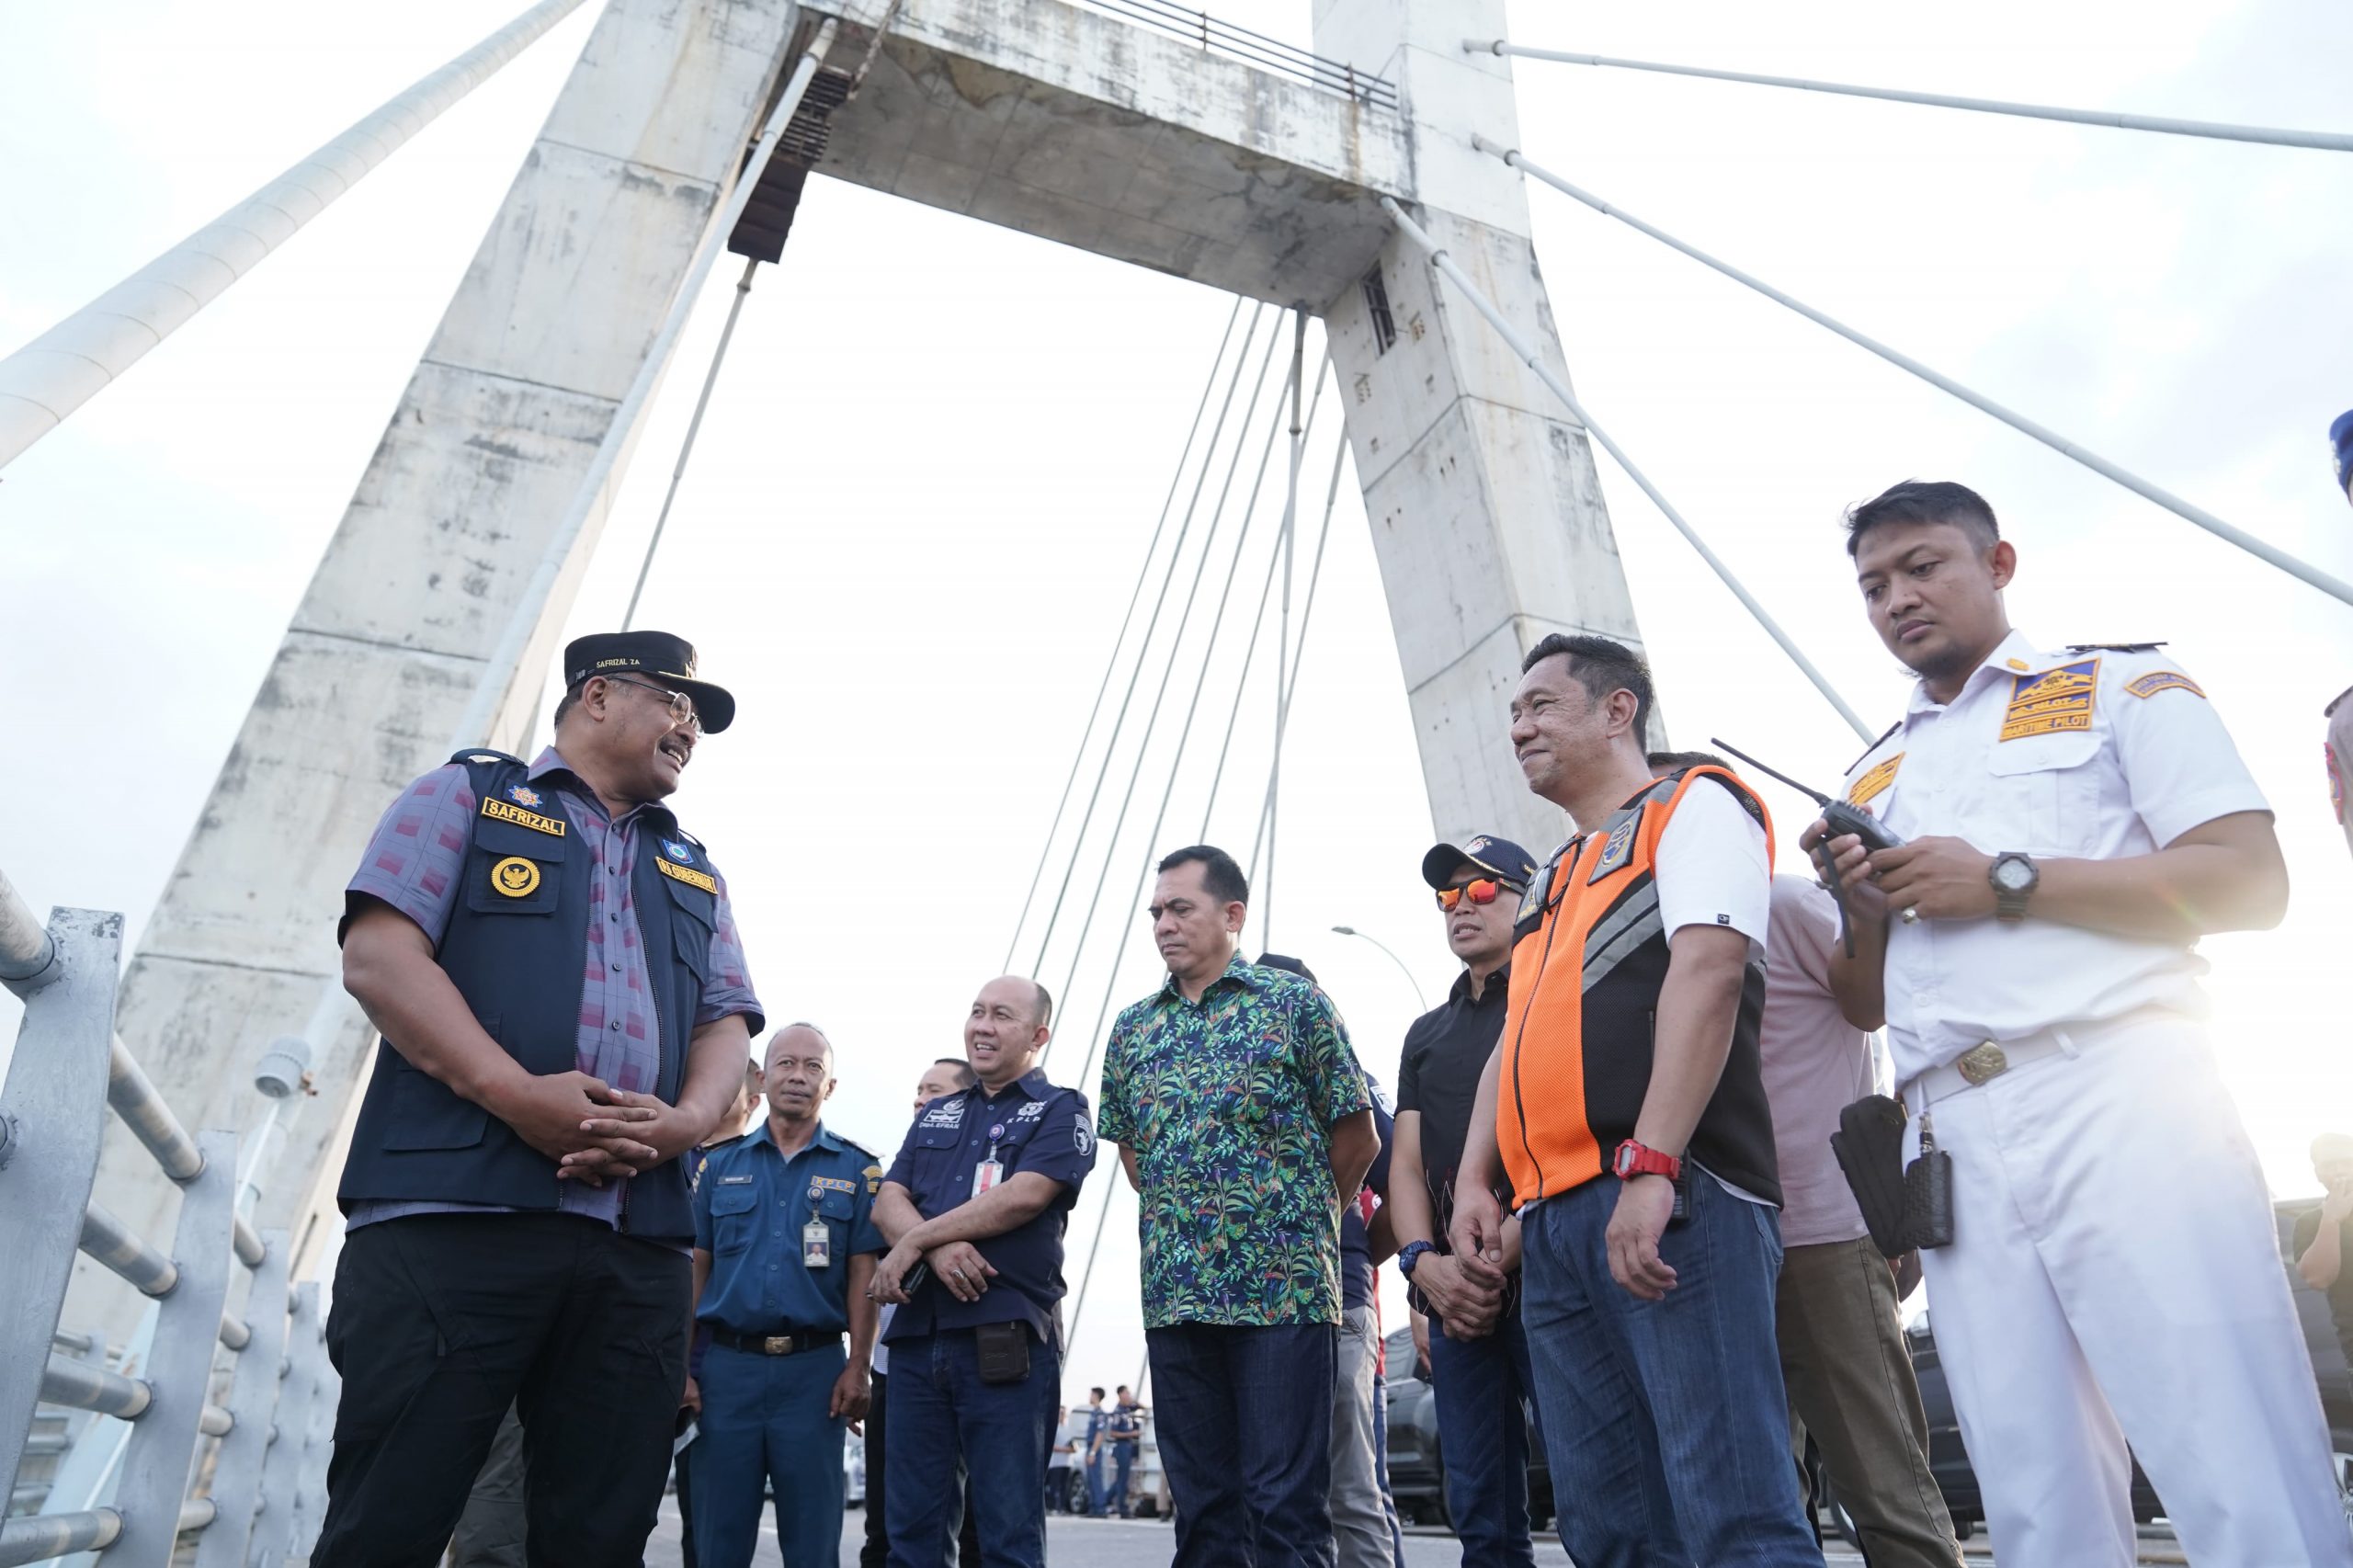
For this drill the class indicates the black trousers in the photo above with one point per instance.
(876, 1552)
(442, 1320)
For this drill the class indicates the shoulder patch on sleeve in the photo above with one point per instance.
(873, 1174)
(2157, 681)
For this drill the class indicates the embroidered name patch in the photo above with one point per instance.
(503, 811)
(2052, 703)
(734, 1181)
(2157, 681)
(833, 1184)
(1875, 782)
(689, 876)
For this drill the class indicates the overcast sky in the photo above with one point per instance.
(925, 484)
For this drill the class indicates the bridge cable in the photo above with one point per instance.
(1118, 723)
(1282, 643)
(1307, 614)
(1257, 624)
(1200, 682)
(2323, 141)
(687, 447)
(1160, 696)
(1535, 361)
(1143, 572)
(2294, 566)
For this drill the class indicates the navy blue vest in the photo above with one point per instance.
(517, 949)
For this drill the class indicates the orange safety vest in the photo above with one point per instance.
(1586, 969)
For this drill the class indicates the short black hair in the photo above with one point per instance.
(1601, 667)
(566, 703)
(1098, 1392)
(1222, 877)
(1924, 501)
(1123, 1388)
(1676, 761)
(961, 1066)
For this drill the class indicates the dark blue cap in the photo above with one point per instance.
(1286, 962)
(1499, 856)
(657, 658)
(2340, 436)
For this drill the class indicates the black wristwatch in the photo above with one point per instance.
(2014, 877)
(1411, 1253)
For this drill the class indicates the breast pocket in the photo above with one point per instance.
(514, 869)
(735, 1216)
(694, 920)
(2041, 796)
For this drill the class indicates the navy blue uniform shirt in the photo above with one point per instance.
(1034, 1127)
(750, 1205)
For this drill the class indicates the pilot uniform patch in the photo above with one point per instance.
(2055, 702)
(2157, 681)
(1875, 782)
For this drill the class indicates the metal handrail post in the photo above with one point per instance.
(51, 1106)
(271, 1541)
(188, 1327)
(252, 1403)
(28, 958)
(318, 1434)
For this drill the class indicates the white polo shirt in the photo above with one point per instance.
(2094, 755)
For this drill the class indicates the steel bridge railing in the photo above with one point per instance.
(1254, 49)
(99, 1442)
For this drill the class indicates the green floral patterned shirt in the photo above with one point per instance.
(1228, 1105)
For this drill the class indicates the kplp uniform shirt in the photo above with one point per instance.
(1032, 1127)
(750, 1209)
(2088, 753)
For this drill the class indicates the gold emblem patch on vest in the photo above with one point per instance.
(505, 812)
(2054, 702)
(1875, 782)
(689, 876)
(516, 877)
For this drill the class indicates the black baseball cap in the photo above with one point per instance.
(1499, 857)
(656, 656)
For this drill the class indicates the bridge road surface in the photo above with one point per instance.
(1145, 1543)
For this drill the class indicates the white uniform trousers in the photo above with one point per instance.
(2115, 1276)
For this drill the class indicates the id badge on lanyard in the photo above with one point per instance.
(816, 1241)
(991, 1171)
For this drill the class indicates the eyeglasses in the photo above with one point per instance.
(682, 707)
(1480, 890)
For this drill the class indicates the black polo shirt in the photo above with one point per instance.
(1033, 1126)
(1437, 1076)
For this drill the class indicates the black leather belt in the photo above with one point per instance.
(774, 1343)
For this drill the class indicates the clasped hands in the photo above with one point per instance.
(593, 1132)
(958, 1266)
(1466, 1290)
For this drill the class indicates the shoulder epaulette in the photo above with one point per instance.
(484, 754)
(1872, 747)
(854, 1144)
(2330, 711)
(2110, 648)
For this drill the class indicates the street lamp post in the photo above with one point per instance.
(1352, 931)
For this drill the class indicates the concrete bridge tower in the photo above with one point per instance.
(1189, 149)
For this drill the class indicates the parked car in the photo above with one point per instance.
(1417, 1472)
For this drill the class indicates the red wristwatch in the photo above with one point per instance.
(1633, 1160)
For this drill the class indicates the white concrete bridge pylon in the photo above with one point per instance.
(1072, 121)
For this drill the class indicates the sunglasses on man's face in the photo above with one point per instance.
(1478, 889)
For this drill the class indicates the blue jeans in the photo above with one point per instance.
(1244, 1419)
(1381, 1466)
(1120, 1458)
(1482, 1387)
(939, 1410)
(764, 1425)
(1664, 1421)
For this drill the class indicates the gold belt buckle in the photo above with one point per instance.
(778, 1345)
(1981, 1062)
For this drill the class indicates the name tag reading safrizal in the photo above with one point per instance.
(505, 812)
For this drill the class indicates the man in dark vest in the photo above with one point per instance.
(552, 960)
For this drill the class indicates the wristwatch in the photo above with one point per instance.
(1633, 1160)
(1410, 1254)
(2014, 877)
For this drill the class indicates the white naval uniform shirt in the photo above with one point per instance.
(2108, 754)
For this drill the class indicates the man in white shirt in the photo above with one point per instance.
(2075, 822)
